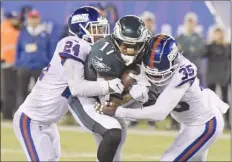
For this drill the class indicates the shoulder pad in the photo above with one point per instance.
(101, 55)
(74, 48)
(103, 47)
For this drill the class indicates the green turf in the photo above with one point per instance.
(137, 147)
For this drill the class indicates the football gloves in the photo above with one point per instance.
(116, 86)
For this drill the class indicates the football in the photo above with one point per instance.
(127, 81)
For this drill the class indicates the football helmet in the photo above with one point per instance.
(160, 59)
(88, 24)
(130, 36)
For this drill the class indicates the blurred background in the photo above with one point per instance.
(30, 31)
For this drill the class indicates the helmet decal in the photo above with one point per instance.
(87, 23)
(160, 59)
(155, 50)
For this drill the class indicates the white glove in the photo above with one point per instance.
(139, 93)
(116, 85)
(141, 79)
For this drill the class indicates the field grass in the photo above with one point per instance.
(78, 145)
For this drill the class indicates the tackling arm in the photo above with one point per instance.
(78, 85)
(165, 103)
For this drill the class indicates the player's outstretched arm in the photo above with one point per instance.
(165, 103)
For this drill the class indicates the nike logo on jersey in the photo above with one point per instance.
(100, 59)
(118, 86)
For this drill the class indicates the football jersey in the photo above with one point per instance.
(105, 60)
(47, 101)
(194, 107)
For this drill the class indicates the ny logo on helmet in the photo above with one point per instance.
(80, 18)
(173, 53)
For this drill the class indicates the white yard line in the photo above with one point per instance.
(86, 154)
(144, 132)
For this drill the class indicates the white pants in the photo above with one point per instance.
(40, 142)
(193, 142)
(97, 124)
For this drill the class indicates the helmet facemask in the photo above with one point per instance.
(129, 50)
(160, 78)
(96, 30)
(130, 43)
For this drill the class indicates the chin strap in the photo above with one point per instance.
(128, 63)
(128, 59)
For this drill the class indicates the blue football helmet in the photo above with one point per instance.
(160, 59)
(88, 24)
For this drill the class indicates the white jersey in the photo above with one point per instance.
(183, 97)
(193, 107)
(47, 102)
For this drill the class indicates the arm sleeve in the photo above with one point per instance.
(78, 85)
(165, 103)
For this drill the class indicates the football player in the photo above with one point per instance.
(176, 87)
(35, 120)
(108, 59)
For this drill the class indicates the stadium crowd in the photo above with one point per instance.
(27, 45)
